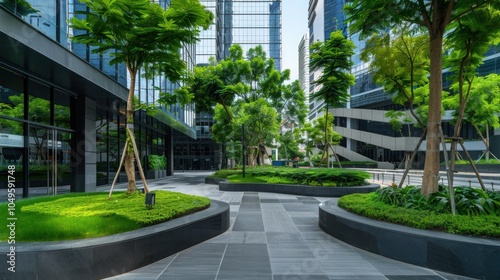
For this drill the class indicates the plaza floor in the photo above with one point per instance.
(271, 237)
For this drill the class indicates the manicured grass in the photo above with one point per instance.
(331, 177)
(85, 215)
(369, 206)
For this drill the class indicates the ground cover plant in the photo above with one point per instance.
(331, 177)
(86, 215)
(478, 212)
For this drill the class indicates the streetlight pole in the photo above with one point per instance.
(243, 147)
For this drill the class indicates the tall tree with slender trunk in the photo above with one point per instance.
(333, 59)
(141, 33)
(367, 17)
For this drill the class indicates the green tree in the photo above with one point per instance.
(399, 62)
(333, 59)
(141, 33)
(238, 80)
(289, 145)
(367, 17)
(482, 108)
(318, 137)
(470, 37)
(261, 127)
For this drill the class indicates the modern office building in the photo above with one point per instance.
(249, 23)
(62, 121)
(304, 66)
(366, 131)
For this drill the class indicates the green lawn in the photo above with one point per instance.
(86, 215)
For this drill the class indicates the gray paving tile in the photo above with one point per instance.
(244, 237)
(250, 207)
(271, 237)
(300, 277)
(278, 221)
(245, 259)
(414, 277)
(249, 221)
(284, 238)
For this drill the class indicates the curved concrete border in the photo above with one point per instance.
(456, 254)
(317, 191)
(98, 258)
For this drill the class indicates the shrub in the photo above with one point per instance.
(314, 177)
(468, 201)
(156, 162)
(369, 205)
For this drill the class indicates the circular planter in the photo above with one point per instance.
(317, 191)
(97, 258)
(468, 256)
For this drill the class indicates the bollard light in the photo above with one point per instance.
(150, 199)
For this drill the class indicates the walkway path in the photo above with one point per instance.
(272, 237)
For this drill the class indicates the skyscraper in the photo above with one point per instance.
(304, 66)
(249, 23)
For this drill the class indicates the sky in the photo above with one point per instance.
(294, 26)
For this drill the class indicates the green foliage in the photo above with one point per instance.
(260, 121)
(400, 63)
(289, 145)
(370, 206)
(469, 201)
(157, 162)
(238, 79)
(299, 176)
(483, 103)
(333, 58)
(482, 161)
(85, 215)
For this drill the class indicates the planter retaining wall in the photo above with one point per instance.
(456, 254)
(98, 258)
(317, 191)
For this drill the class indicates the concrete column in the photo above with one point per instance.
(169, 152)
(84, 149)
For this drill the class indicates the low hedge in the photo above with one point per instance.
(313, 177)
(370, 206)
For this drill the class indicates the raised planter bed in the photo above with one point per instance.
(468, 256)
(98, 258)
(317, 191)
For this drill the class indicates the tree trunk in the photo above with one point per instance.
(130, 156)
(431, 169)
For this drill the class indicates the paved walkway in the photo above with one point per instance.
(271, 237)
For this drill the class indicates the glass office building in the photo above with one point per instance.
(62, 108)
(249, 23)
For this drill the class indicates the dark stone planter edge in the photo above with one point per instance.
(102, 257)
(467, 256)
(317, 191)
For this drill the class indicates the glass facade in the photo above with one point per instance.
(207, 46)
(249, 23)
(35, 134)
(62, 123)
